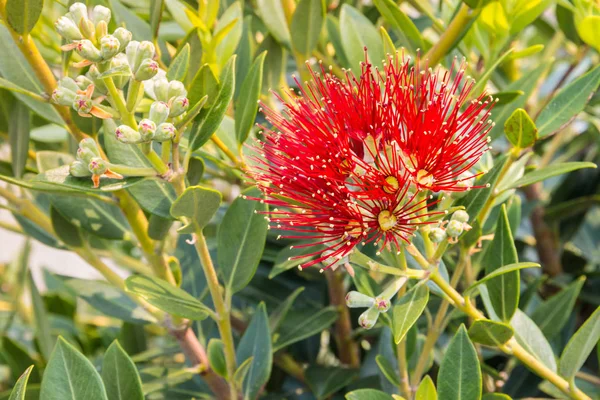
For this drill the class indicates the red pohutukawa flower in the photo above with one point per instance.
(349, 162)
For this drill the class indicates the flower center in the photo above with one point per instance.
(424, 178)
(386, 220)
(392, 184)
(353, 228)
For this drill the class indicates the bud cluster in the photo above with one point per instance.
(375, 305)
(451, 229)
(80, 94)
(89, 163)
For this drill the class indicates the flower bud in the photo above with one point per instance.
(100, 13)
(159, 112)
(101, 29)
(147, 70)
(87, 150)
(87, 28)
(131, 52)
(176, 89)
(93, 75)
(382, 304)
(460, 216)
(79, 169)
(368, 319)
(126, 134)
(82, 104)
(78, 11)
(117, 61)
(161, 89)
(109, 46)
(356, 299)
(147, 128)
(454, 228)
(123, 36)
(437, 235)
(68, 83)
(97, 166)
(145, 50)
(83, 82)
(68, 29)
(87, 50)
(179, 106)
(63, 96)
(164, 132)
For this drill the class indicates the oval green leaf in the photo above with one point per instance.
(460, 374)
(426, 390)
(197, 203)
(529, 335)
(307, 23)
(408, 310)
(20, 388)
(121, 378)
(22, 15)
(368, 394)
(247, 103)
(490, 333)
(180, 65)
(580, 346)
(357, 32)
(520, 129)
(542, 174)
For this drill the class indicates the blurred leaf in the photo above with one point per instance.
(19, 390)
(216, 357)
(245, 54)
(256, 343)
(166, 297)
(240, 374)
(204, 83)
(490, 333)
(306, 26)
(496, 396)
(580, 346)
(193, 280)
(408, 309)
(388, 370)
(367, 394)
(282, 309)
(525, 13)
(227, 46)
(566, 23)
(552, 315)
(157, 7)
(40, 321)
(551, 170)
(247, 103)
(273, 16)
(300, 324)
(520, 129)
(567, 103)
(529, 335)
(357, 32)
(18, 133)
(588, 30)
(69, 375)
(197, 203)
(333, 31)
(241, 240)
(426, 390)
(123, 15)
(67, 232)
(526, 52)
(410, 37)
(22, 15)
(120, 376)
(180, 65)
(571, 208)
(17, 359)
(504, 98)
(460, 374)
(324, 381)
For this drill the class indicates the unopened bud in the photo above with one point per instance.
(78, 11)
(126, 134)
(179, 106)
(97, 166)
(161, 89)
(368, 319)
(164, 132)
(460, 216)
(147, 70)
(68, 83)
(356, 299)
(123, 36)
(147, 128)
(100, 13)
(145, 50)
(159, 112)
(68, 29)
(176, 89)
(382, 304)
(437, 235)
(101, 29)
(87, 28)
(455, 228)
(79, 169)
(82, 104)
(116, 62)
(87, 50)
(83, 82)
(87, 150)
(131, 52)
(63, 96)
(93, 75)
(109, 46)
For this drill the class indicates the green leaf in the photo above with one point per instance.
(197, 203)
(426, 390)
(507, 97)
(580, 346)
(529, 335)
(18, 392)
(61, 178)
(368, 394)
(520, 130)
(124, 16)
(180, 65)
(387, 369)
(226, 48)
(204, 83)
(273, 16)
(541, 174)
(300, 324)
(18, 133)
(240, 374)
(552, 315)
(282, 309)
(567, 103)
(157, 8)
(109, 300)
(496, 396)
(216, 357)
(40, 320)
(358, 32)
(209, 119)
(69, 375)
(408, 310)
(499, 272)
(324, 381)
(22, 15)
(333, 32)
(241, 240)
(68, 233)
(288, 258)
(460, 374)
(247, 103)
(256, 343)
(504, 289)
(306, 26)
(166, 297)
(490, 333)
(410, 36)
(120, 376)
(17, 359)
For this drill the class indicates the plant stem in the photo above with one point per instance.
(405, 387)
(131, 171)
(219, 143)
(128, 118)
(223, 320)
(450, 35)
(133, 94)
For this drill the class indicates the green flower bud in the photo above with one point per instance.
(87, 28)
(176, 89)
(368, 319)
(455, 228)
(437, 235)
(117, 61)
(79, 169)
(382, 304)
(147, 70)
(100, 13)
(159, 112)
(101, 29)
(68, 83)
(82, 104)
(164, 132)
(63, 96)
(123, 36)
(131, 52)
(87, 50)
(93, 75)
(97, 166)
(147, 128)
(87, 147)
(161, 89)
(356, 299)
(460, 216)
(78, 11)
(126, 134)
(179, 106)
(109, 46)
(145, 50)
(83, 82)
(68, 29)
